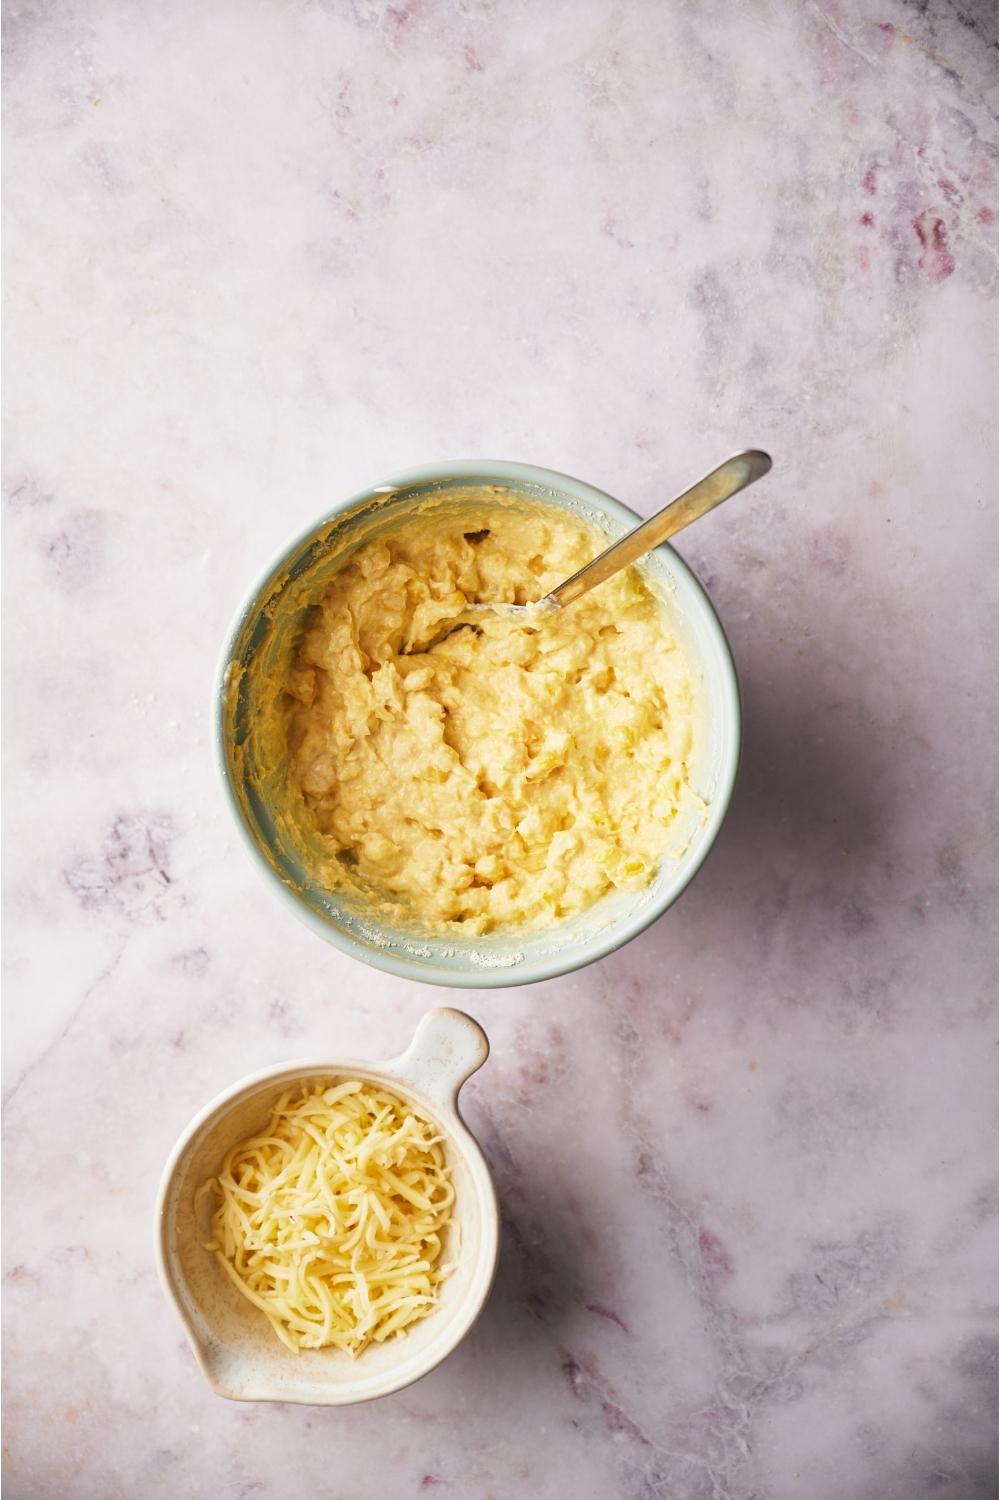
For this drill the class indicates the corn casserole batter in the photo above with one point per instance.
(512, 774)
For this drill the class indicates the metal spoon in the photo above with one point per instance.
(728, 479)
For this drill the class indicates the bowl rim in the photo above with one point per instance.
(570, 958)
(445, 1113)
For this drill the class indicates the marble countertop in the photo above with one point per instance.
(260, 254)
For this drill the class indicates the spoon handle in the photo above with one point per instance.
(734, 475)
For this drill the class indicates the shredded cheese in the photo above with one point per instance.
(331, 1221)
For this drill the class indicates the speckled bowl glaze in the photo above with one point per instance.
(237, 1351)
(260, 635)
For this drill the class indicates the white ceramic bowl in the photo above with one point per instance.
(237, 1351)
(257, 651)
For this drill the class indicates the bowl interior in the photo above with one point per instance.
(254, 663)
(239, 1353)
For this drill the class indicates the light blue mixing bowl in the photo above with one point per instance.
(258, 646)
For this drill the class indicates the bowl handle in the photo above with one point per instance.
(447, 1048)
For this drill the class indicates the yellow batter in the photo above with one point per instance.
(506, 777)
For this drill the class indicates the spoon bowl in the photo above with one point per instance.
(721, 484)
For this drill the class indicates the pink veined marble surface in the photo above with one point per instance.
(260, 254)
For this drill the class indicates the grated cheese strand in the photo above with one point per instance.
(331, 1220)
